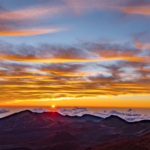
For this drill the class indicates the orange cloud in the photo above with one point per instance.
(54, 60)
(21, 22)
(32, 13)
(141, 10)
(80, 6)
(28, 32)
(142, 45)
(63, 75)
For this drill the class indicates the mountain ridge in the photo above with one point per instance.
(54, 114)
(52, 131)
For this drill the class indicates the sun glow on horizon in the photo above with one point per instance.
(53, 106)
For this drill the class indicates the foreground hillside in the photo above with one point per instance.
(51, 131)
(141, 143)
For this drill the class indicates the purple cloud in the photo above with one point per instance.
(39, 110)
(4, 111)
(73, 112)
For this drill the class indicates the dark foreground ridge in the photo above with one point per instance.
(52, 131)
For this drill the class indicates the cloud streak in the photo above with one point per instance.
(24, 21)
(134, 7)
(74, 78)
(28, 32)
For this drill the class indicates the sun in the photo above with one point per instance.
(53, 106)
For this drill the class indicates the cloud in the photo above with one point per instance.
(83, 6)
(135, 7)
(142, 46)
(31, 13)
(4, 111)
(33, 72)
(139, 7)
(40, 110)
(28, 32)
(79, 111)
(130, 115)
(89, 53)
(25, 22)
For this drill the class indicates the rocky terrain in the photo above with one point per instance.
(52, 131)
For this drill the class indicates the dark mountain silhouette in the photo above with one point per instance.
(21, 148)
(86, 117)
(63, 146)
(52, 131)
(127, 128)
(27, 120)
(114, 121)
(141, 143)
(115, 138)
(58, 137)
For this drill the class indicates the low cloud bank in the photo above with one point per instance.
(130, 115)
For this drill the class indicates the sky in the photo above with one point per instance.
(83, 53)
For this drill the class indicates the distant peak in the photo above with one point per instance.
(26, 111)
(115, 117)
(21, 113)
(52, 113)
(89, 115)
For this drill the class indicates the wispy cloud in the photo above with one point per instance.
(24, 22)
(29, 32)
(76, 111)
(142, 46)
(4, 111)
(32, 12)
(130, 115)
(139, 7)
(72, 79)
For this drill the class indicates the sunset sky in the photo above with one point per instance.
(85, 53)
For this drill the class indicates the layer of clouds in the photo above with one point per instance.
(4, 111)
(76, 111)
(130, 115)
(28, 21)
(33, 18)
(39, 110)
(82, 70)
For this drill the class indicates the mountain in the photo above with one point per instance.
(27, 120)
(21, 148)
(114, 121)
(115, 138)
(141, 143)
(32, 130)
(63, 146)
(58, 146)
(123, 127)
(52, 131)
(57, 137)
(85, 117)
